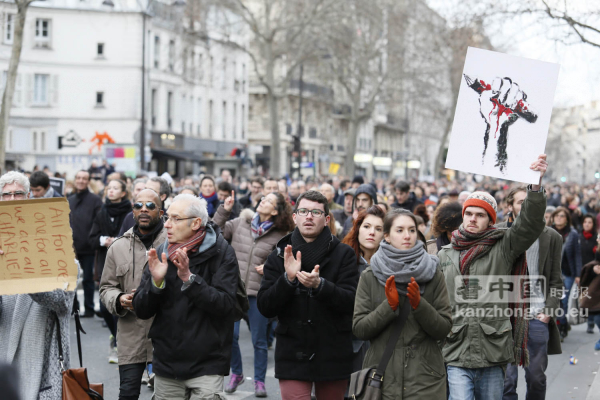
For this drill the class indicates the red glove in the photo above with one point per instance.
(414, 296)
(392, 293)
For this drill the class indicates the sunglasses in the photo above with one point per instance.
(149, 205)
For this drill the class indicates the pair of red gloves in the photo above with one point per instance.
(414, 295)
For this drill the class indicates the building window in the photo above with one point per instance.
(234, 121)
(243, 78)
(169, 109)
(312, 133)
(9, 142)
(9, 28)
(171, 55)
(42, 32)
(235, 80)
(199, 116)
(153, 108)
(39, 141)
(288, 129)
(224, 121)
(210, 119)
(40, 89)
(211, 70)
(156, 51)
(42, 141)
(99, 99)
(200, 70)
(100, 50)
(243, 121)
(182, 112)
(35, 141)
(224, 76)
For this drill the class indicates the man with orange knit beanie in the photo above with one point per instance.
(480, 256)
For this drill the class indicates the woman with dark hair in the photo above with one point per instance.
(421, 211)
(402, 271)
(571, 261)
(364, 238)
(253, 236)
(105, 230)
(446, 219)
(208, 192)
(589, 247)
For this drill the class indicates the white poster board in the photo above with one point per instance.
(505, 101)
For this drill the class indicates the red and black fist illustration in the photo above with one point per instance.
(501, 104)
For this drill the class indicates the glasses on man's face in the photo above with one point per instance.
(19, 195)
(175, 220)
(303, 212)
(149, 205)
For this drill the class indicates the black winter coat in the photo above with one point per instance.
(409, 204)
(192, 332)
(84, 208)
(314, 333)
(587, 248)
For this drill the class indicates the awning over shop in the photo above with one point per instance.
(177, 155)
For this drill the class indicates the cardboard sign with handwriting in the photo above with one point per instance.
(37, 241)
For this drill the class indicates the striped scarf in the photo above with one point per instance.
(473, 246)
(193, 244)
(259, 228)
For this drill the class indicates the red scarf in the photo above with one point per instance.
(193, 244)
(587, 235)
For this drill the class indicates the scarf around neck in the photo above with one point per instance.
(192, 244)
(148, 238)
(403, 265)
(259, 228)
(212, 202)
(473, 246)
(113, 215)
(313, 253)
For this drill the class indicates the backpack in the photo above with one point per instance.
(241, 305)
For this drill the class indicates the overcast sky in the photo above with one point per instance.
(579, 79)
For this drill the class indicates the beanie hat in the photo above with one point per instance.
(483, 200)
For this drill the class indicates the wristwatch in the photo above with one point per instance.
(189, 282)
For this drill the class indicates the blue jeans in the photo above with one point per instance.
(258, 329)
(475, 383)
(535, 375)
(568, 282)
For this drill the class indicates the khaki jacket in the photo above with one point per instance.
(121, 275)
(249, 252)
(416, 369)
(481, 334)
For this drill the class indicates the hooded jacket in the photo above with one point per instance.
(364, 188)
(191, 332)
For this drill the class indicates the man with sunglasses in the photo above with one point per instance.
(189, 288)
(309, 283)
(122, 274)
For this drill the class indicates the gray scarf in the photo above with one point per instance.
(404, 264)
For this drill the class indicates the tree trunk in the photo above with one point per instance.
(444, 140)
(275, 164)
(11, 78)
(351, 146)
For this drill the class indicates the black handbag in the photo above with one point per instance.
(367, 383)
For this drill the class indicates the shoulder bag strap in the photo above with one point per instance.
(391, 344)
(61, 358)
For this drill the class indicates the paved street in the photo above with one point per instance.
(565, 381)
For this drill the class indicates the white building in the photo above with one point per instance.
(80, 82)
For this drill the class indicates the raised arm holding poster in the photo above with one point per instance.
(502, 115)
(36, 239)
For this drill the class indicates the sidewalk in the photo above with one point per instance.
(566, 381)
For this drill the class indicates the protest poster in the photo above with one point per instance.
(502, 115)
(58, 184)
(37, 241)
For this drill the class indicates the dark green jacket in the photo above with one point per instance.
(416, 369)
(481, 334)
(549, 267)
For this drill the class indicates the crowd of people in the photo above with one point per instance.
(329, 269)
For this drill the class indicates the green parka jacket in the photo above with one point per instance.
(416, 369)
(481, 334)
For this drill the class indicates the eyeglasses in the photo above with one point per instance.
(13, 195)
(265, 198)
(176, 219)
(303, 212)
(149, 205)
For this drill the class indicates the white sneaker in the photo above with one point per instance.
(151, 381)
(113, 357)
(145, 377)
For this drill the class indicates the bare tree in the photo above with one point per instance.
(355, 61)
(282, 35)
(11, 75)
